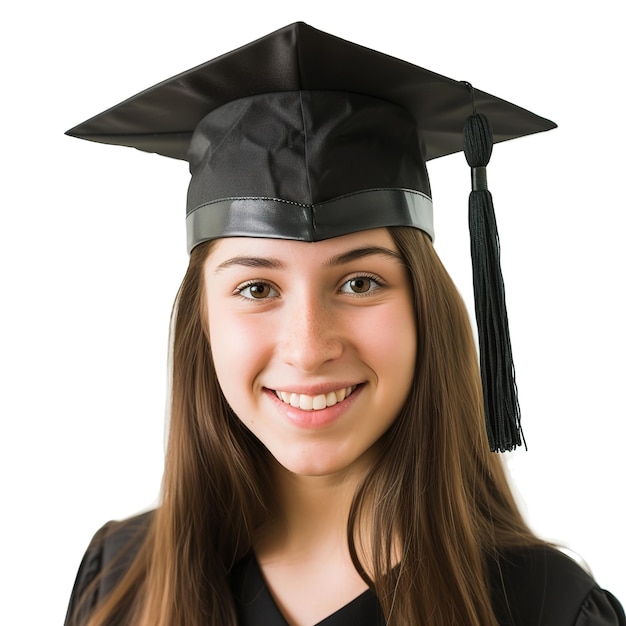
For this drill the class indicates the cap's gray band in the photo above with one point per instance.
(281, 219)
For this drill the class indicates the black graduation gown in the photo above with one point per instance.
(529, 587)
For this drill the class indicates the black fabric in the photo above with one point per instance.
(529, 587)
(301, 117)
(306, 147)
(109, 555)
(298, 57)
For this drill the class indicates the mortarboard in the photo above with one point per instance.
(303, 135)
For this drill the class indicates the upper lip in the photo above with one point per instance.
(314, 390)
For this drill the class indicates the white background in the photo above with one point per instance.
(92, 249)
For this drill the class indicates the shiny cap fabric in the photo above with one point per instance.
(290, 134)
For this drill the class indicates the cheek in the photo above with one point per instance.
(392, 341)
(238, 348)
(392, 354)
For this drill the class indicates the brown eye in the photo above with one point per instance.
(257, 291)
(360, 285)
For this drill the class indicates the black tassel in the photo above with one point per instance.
(502, 411)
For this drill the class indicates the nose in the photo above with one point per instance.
(310, 334)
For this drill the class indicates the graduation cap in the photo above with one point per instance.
(303, 135)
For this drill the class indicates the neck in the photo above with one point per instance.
(303, 550)
(311, 517)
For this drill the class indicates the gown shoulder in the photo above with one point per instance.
(108, 556)
(544, 587)
(537, 586)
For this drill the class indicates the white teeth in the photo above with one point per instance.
(306, 402)
(314, 403)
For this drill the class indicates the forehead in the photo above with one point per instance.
(297, 252)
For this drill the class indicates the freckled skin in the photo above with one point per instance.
(311, 318)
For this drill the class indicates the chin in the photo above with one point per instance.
(318, 463)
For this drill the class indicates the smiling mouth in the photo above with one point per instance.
(314, 403)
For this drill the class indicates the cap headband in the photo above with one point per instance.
(281, 219)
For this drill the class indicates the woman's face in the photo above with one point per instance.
(314, 343)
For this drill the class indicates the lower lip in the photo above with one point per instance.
(312, 420)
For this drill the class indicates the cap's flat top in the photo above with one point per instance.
(162, 118)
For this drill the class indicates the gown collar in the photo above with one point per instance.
(256, 606)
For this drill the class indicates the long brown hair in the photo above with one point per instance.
(446, 495)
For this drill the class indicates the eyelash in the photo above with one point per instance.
(378, 283)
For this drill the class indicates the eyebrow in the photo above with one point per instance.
(359, 253)
(338, 259)
(251, 261)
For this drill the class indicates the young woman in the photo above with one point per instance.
(327, 461)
